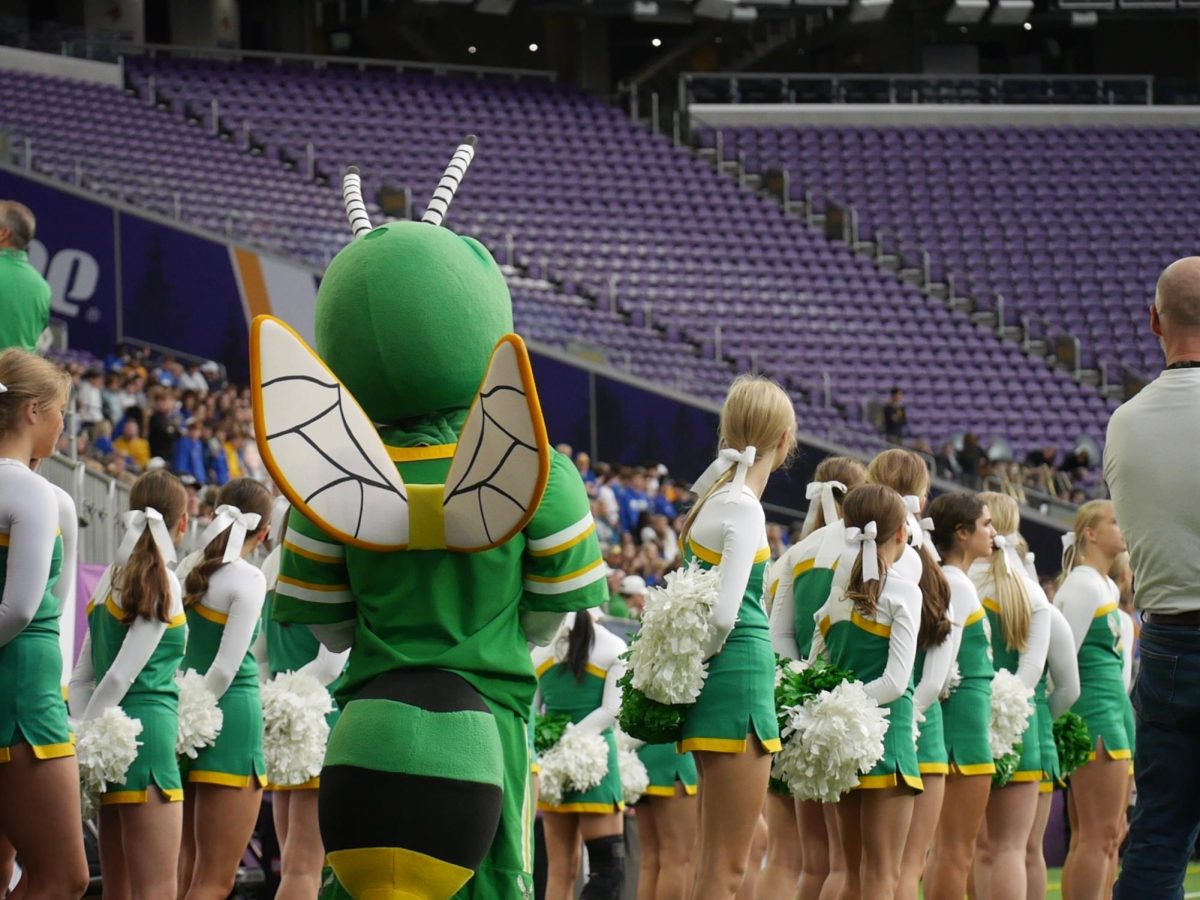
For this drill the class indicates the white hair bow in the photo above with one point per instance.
(1007, 545)
(3, 388)
(238, 523)
(824, 491)
(1068, 541)
(919, 529)
(725, 460)
(136, 521)
(862, 540)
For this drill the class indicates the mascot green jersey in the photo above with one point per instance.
(434, 533)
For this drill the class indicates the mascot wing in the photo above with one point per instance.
(502, 463)
(319, 445)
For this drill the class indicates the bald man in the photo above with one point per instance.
(24, 293)
(1152, 465)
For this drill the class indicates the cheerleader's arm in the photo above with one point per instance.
(902, 644)
(83, 680)
(604, 716)
(244, 613)
(1032, 661)
(32, 514)
(1078, 606)
(1064, 665)
(783, 611)
(742, 524)
(326, 666)
(1127, 649)
(935, 673)
(141, 640)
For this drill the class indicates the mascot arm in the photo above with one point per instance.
(314, 585)
(564, 570)
(337, 638)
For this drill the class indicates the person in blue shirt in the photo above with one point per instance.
(189, 453)
(633, 502)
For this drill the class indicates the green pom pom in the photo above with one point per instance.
(549, 731)
(646, 719)
(1073, 742)
(1006, 766)
(794, 688)
(779, 788)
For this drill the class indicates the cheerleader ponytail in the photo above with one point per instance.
(157, 501)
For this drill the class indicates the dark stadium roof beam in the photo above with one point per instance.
(352, 197)
(435, 212)
(869, 10)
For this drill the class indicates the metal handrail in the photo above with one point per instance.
(321, 62)
(838, 82)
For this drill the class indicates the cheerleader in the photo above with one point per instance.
(293, 648)
(1063, 670)
(803, 579)
(38, 770)
(937, 645)
(869, 627)
(1019, 618)
(963, 534)
(1088, 599)
(732, 727)
(667, 817)
(223, 597)
(577, 675)
(134, 645)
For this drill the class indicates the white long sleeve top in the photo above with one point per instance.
(734, 527)
(820, 550)
(28, 522)
(85, 698)
(1082, 592)
(606, 655)
(1063, 665)
(898, 606)
(935, 669)
(236, 590)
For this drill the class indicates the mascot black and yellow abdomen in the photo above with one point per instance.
(412, 788)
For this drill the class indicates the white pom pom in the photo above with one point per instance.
(295, 732)
(578, 762)
(1012, 705)
(952, 682)
(667, 659)
(200, 718)
(634, 777)
(830, 739)
(105, 747)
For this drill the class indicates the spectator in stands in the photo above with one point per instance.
(24, 293)
(630, 599)
(102, 444)
(193, 380)
(1042, 456)
(583, 463)
(634, 501)
(163, 431)
(189, 454)
(946, 463)
(214, 456)
(970, 461)
(91, 404)
(132, 445)
(662, 532)
(1150, 466)
(895, 417)
(110, 397)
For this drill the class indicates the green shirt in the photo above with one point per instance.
(440, 609)
(24, 301)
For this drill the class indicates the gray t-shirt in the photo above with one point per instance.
(1152, 466)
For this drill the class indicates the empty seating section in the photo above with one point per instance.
(610, 226)
(1072, 225)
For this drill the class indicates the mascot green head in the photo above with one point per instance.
(408, 313)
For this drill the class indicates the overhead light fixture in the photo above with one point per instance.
(1028, 26)
(869, 10)
(533, 48)
(472, 49)
(1012, 12)
(966, 12)
(656, 42)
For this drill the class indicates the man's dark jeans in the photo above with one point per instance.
(1166, 819)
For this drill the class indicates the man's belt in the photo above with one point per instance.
(1192, 617)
